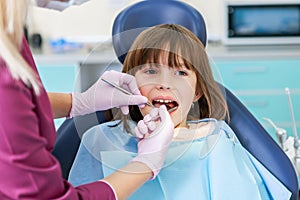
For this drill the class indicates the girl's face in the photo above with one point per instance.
(174, 87)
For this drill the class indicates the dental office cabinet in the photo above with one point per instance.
(264, 39)
(259, 76)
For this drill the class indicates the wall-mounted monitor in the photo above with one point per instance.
(262, 23)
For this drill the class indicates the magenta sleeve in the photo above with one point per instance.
(28, 169)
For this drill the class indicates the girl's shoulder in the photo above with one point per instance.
(200, 129)
(218, 124)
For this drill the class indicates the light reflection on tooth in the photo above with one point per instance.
(163, 101)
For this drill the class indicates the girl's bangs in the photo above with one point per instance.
(164, 57)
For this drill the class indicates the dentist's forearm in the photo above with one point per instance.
(61, 104)
(128, 179)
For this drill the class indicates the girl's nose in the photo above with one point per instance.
(164, 87)
(165, 83)
(165, 79)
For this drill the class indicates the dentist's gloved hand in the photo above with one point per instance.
(102, 96)
(156, 131)
(59, 4)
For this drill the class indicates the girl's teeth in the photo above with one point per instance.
(163, 101)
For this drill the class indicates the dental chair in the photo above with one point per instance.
(249, 131)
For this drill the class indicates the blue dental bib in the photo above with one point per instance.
(215, 166)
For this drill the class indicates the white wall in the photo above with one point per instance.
(96, 18)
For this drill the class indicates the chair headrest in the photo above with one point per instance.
(139, 16)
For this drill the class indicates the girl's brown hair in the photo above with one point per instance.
(177, 43)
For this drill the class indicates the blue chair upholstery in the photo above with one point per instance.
(134, 19)
(249, 131)
(260, 144)
(69, 136)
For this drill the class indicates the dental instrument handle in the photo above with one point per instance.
(280, 133)
(271, 122)
(122, 89)
(296, 140)
(129, 93)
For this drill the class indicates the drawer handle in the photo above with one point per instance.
(243, 70)
(256, 103)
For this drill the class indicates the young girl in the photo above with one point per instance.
(205, 159)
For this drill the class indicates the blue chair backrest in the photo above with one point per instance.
(249, 131)
(260, 144)
(69, 136)
(133, 20)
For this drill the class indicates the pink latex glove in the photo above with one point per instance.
(58, 4)
(156, 131)
(102, 96)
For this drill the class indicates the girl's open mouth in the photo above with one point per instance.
(170, 104)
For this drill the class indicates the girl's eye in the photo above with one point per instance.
(150, 71)
(181, 73)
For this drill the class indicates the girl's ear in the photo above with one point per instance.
(197, 96)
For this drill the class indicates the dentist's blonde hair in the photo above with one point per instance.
(12, 19)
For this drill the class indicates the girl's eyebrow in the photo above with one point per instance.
(182, 66)
(151, 65)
